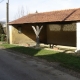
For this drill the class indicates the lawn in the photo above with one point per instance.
(66, 60)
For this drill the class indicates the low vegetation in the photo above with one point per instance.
(2, 33)
(67, 60)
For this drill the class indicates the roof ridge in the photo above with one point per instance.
(56, 11)
(51, 16)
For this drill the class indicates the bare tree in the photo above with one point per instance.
(21, 12)
(1, 1)
(1, 29)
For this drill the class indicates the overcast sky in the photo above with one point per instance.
(31, 6)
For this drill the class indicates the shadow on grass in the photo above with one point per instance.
(25, 50)
(66, 60)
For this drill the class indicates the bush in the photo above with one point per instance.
(2, 37)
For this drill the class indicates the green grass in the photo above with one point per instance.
(67, 60)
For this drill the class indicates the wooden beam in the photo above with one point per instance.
(34, 30)
(40, 29)
(37, 31)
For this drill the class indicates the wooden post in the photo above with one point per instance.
(37, 41)
(37, 31)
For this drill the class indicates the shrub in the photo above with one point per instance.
(2, 37)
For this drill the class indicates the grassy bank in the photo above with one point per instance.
(67, 60)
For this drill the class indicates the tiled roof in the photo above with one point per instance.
(54, 16)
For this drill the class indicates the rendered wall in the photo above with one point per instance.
(78, 36)
(27, 35)
(10, 33)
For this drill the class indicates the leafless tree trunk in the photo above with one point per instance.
(21, 12)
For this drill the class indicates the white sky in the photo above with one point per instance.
(31, 6)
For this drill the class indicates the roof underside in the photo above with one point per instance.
(54, 16)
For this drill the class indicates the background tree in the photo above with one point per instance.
(1, 29)
(2, 34)
(21, 12)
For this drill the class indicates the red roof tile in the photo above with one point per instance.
(54, 16)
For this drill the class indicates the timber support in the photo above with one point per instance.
(37, 30)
